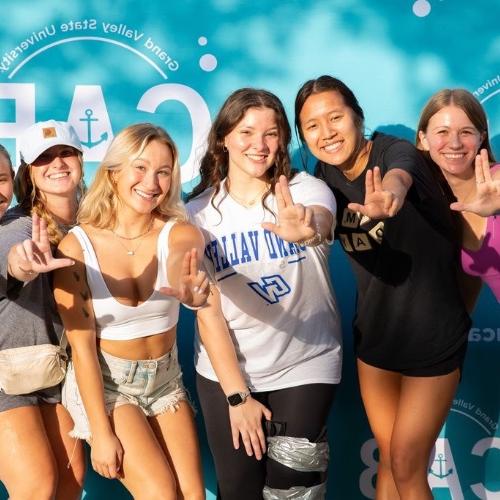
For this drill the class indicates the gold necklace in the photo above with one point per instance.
(249, 203)
(131, 252)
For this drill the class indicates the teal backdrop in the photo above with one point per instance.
(104, 64)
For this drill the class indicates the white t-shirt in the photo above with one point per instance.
(276, 296)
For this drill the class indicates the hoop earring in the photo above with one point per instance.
(224, 148)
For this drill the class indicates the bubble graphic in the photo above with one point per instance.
(202, 40)
(208, 62)
(421, 8)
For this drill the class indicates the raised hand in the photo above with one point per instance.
(193, 284)
(295, 222)
(379, 203)
(35, 255)
(246, 420)
(487, 195)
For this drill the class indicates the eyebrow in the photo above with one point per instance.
(472, 127)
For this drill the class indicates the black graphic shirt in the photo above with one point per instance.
(409, 310)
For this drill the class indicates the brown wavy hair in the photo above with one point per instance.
(31, 199)
(214, 164)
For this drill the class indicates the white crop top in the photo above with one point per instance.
(116, 321)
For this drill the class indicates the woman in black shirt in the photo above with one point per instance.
(410, 325)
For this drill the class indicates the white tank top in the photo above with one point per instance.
(116, 321)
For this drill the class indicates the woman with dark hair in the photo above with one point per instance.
(38, 459)
(269, 345)
(453, 133)
(6, 180)
(410, 325)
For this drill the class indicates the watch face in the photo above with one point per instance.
(235, 399)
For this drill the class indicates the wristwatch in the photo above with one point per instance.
(237, 398)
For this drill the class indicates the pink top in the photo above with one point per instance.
(485, 262)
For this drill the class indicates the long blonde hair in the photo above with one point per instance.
(100, 205)
(32, 201)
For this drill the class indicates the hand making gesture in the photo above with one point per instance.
(487, 195)
(193, 284)
(35, 255)
(379, 202)
(295, 221)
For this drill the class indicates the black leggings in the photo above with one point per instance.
(300, 411)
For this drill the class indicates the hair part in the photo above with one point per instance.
(214, 166)
(100, 205)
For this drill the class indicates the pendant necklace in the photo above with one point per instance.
(132, 252)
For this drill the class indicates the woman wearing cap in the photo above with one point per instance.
(124, 385)
(38, 459)
(6, 180)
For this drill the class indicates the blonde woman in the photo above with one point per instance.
(124, 387)
(35, 447)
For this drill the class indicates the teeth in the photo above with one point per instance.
(59, 175)
(144, 195)
(454, 156)
(331, 148)
(257, 157)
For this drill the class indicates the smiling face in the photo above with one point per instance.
(6, 184)
(57, 171)
(452, 141)
(144, 182)
(330, 129)
(252, 144)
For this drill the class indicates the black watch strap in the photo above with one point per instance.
(237, 398)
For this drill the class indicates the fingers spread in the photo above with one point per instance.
(285, 191)
(280, 202)
(193, 262)
(377, 179)
(270, 226)
(35, 229)
(369, 187)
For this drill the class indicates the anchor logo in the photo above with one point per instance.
(104, 136)
(440, 460)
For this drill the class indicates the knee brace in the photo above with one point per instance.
(317, 492)
(301, 455)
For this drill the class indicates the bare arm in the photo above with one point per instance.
(246, 419)
(31, 257)
(298, 223)
(486, 201)
(74, 304)
(187, 282)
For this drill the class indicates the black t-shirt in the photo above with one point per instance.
(409, 310)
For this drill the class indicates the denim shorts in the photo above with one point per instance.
(154, 385)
